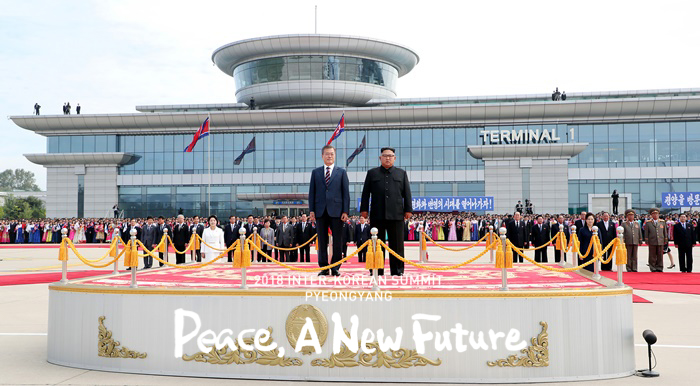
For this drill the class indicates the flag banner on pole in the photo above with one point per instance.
(249, 149)
(357, 151)
(338, 130)
(201, 133)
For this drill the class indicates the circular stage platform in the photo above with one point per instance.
(452, 326)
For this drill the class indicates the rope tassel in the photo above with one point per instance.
(63, 251)
(369, 257)
(508, 258)
(379, 257)
(621, 254)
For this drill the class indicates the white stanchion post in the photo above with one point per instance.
(254, 252)
(133, 269)
(421, 251)
(621, 237)
(116, 249)
(491, 240)
(596, 265)
(375, 271)
(574, 255)
(241, 232)
(562, 253)
(64, 264)
(504, 271)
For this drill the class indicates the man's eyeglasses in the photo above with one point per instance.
(388, 156)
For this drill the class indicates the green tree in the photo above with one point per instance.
(18, 179)
(17, 207)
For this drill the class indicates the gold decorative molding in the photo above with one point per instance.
(297, 319)
(536, 355)
(226, 356)
(399, 359)
(109, 348)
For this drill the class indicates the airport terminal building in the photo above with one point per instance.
(565, 156)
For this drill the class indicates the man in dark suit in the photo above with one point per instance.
(181, 235)
(540, 236)
(607, 233)
(149, 240)
(348, 233)
(160, 231)
(13, 232)
(580, 223)
(231, 235)
(285, 238)
(304, 233)
(684, 238)
(329, 204)
(362, 234)
(199, 228)
(249, 225)
(388, 188)
(555, 228)
(515, 231)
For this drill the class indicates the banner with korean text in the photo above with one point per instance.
(450, 204)
(680, 199)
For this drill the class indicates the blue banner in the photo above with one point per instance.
(679, 199)
(449, 204)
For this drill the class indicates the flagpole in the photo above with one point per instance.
(209, 163)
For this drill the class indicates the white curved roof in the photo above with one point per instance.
(80, 158)
(229, 56)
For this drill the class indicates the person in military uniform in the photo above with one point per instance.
(657, 237)
(389, 189)
(633, 237)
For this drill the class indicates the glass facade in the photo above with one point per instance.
(632, 145)
(315, 67)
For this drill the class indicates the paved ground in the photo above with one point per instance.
(24, 312)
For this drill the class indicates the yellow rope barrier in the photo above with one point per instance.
(429, 268)
(541, 246)
(289, 249)
(519, 252)
(455, 249)
(103, 257)
(194, 266)
(202, 241)
(311, 269)
(88, 262)
(187, 247)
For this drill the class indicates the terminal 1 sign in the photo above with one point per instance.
(522, 136)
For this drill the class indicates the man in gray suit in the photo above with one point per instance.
(285, 238)
(149, 240)
(657, 238)
(633, 236)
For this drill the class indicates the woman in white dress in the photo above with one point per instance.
(214, 237)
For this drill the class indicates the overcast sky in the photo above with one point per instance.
(110, 56)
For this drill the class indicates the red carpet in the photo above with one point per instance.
(38, 278)
(682, 283)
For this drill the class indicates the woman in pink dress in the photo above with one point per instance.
(42, 226)
(411, 231)
(108, 234)
(453, 231)
(71, 234)
(434, 226)
(5, 234)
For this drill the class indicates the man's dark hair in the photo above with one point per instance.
(539, 216)
(250, 215)
(231, 216)
(149, 218)
(161, 217)
(388, 148)
(323, 149)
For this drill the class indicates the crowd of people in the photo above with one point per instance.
(651, 229)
